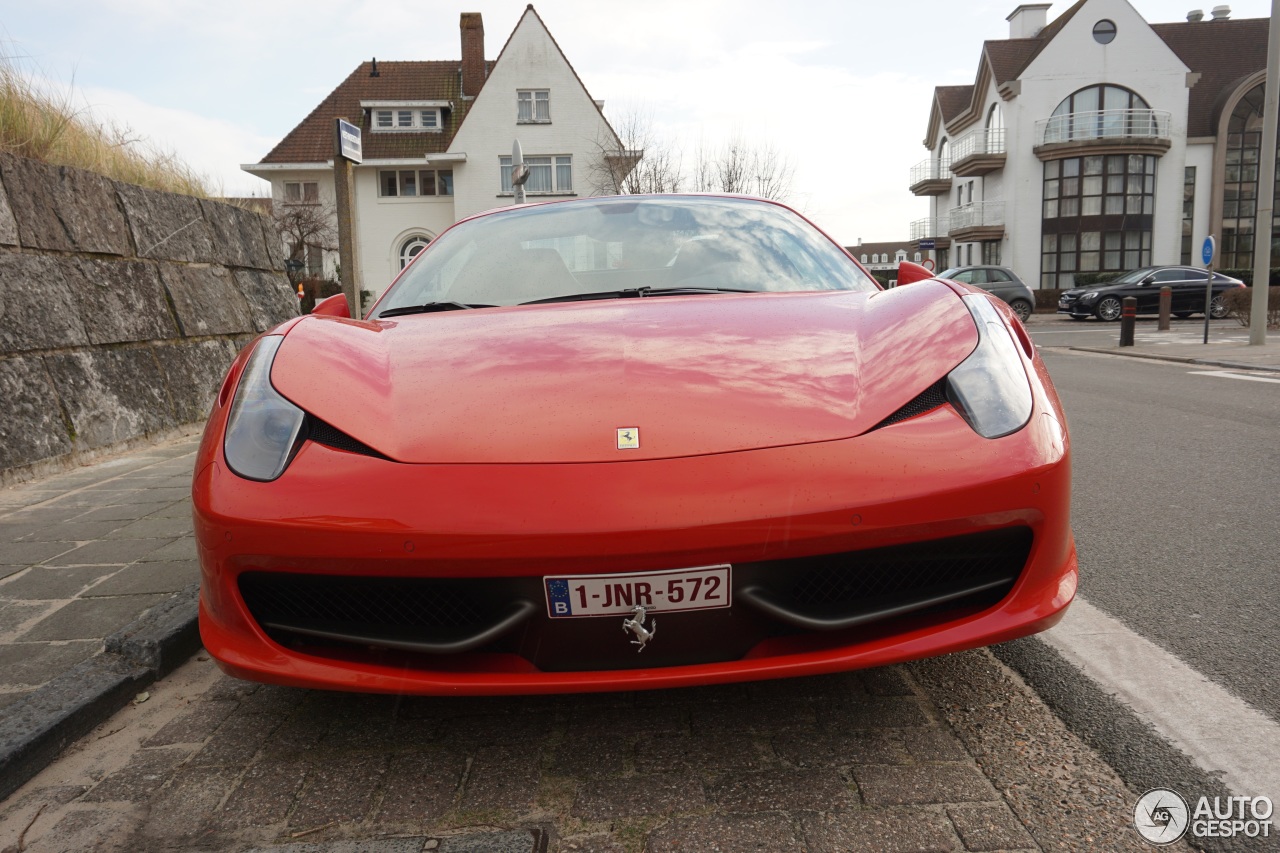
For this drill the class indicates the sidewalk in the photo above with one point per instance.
(1226, 354)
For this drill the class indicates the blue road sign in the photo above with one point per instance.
(1206, 251)
(927, 244)
(349, 142)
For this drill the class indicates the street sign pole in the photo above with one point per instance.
(1263, 228)
(519, 172)
(347, 149)
(1206, 254)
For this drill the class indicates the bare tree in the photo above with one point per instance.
(638, 160)
(740, 166)
(304, 227)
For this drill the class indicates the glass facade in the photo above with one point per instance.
(1240, 185)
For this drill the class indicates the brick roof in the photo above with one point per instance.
(1224, 53)
(312, 140)
(953, 100)
(1008, 58)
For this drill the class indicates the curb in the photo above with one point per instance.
(35, 730)
(1181, 359)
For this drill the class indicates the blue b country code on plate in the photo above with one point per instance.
(700, 588)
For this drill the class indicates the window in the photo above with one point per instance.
(533, 105)
(991, 253)
(1188, 210)
(1104, 32)
(411, 183)
(410, 248)
(301, 192)
(546, 174)
(1100, 112)
(1240, 185)
(314, 261)
(406, 119)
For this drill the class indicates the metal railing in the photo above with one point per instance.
(1103, 124)
(989, 141)
(930, 170)
(925, 229)
(975, 214)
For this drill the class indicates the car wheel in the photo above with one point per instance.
(1109, 308)
(1022, 308)
(1182, 315)
(1218, 308)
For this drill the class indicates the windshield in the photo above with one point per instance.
(604, 246)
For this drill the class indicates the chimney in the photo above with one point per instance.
(1221, 13)
(1195, 16)
(473, 71)
(1028, 20)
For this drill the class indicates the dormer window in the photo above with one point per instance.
(406, 119)
(533, 106)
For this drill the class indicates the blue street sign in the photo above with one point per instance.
(927, 244)
(1206, 251)
(349, 142)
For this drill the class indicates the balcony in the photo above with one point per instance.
(977, 221)
(978, 152)
(930, 229)
(931, 177)
(1103, 132)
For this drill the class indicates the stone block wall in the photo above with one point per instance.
(120, 309)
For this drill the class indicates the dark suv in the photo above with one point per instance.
(999, 281)
(1186, 283)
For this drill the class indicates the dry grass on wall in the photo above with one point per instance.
(52, 129)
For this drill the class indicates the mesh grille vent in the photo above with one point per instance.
(931, 398)
(330, 436)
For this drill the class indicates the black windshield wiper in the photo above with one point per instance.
(428, 308)
(634, 292)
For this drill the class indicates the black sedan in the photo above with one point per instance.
(1187, 284)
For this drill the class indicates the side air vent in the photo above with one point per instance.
(928, 400)
(330, 436)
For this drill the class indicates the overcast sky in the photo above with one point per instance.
(842, 88)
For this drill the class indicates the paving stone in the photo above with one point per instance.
(72, 531)
(624, 722)
(101, 830)
(14, 614)
(6, 571)
(658, 793)
(184, 809)
(502, 777)
(53, 584)
(339, 789)
(176, 551)
(11, 697)
(264, 796)
(886, 712)
(766, 714)
(693, 696)
(887, 681)
(35, 664)
(122, 512)
(778, 790)
(923, 783)
(153, 528)
(728, 833)
(299, 733)
(935, 744)
(731, 750)
(45, 514)
(841, 686)
(513, 841)
(196, 725)
(16, 531)
(178, 509)
(377, 845)
(86, 499)
(31, 553)
(421, 786)
(601, 755)
(146, 772)
(236, 741)
(143, 578)
(530, 729)
(826, 748)
(591, 844)
(267, 698)
(88, 619)
(110, 552)
(989, 828)
(872, 831)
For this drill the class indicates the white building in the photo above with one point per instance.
(1097, 142)
(883, 258)
(437, 139)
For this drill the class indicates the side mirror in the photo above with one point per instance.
(333, 306)
(909, 273)
(1147, 280)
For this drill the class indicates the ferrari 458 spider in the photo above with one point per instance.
(625, 443)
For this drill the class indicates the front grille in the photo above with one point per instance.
(330, 436)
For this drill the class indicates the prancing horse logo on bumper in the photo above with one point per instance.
(635, 625)
(629, 438)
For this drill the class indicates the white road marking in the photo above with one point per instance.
(1227, 375)
(1218, 730)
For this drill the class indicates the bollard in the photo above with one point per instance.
(1166, 305)
(1128, 318)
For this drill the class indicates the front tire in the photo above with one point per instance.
(1022, 308)
(1109, 308)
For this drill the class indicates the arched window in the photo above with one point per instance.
(944, 157)
(1100, 112)
(1240, 182)
(410, 248)
(995, 129)
(864, 257)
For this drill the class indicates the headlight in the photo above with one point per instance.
(990, 388)
(1090, 296)
(264, 429)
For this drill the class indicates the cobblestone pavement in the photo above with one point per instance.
(84, 553)
(944, 755)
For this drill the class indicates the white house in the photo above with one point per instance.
(1097, 142)
(437, 139)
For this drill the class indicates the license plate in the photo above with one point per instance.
(701, 588)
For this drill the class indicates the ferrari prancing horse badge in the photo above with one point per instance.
(629, 438)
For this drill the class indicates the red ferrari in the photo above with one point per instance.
(631, 442)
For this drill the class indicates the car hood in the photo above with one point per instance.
(693, 374)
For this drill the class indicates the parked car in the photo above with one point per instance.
(1104, 301)
(629, 443)
(1001, 281)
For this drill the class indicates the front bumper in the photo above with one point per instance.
(345, 515)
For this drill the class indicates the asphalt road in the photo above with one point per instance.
(1175, 508)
